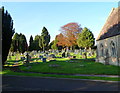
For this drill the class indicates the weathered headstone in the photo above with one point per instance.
(63, 54)
(52, 56)
(84, 55)
(22, 58)
(43, 59)
(80, 52)
(89, 54)
(40, 56)
(67, 54)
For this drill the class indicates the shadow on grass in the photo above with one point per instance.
(14, 60)
(69, 66)
(57, 60)
(84, 60)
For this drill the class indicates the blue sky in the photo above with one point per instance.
(30, 17)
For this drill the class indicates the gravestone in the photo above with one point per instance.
(44, 54)
(89, 54)
(67, 54)
(22, 58)
(63, 54)
(27, 58)
(52, 56)
(84, 55)
(40, 57)
(80, 52)
(43, 59)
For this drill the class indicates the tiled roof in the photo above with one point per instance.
(112, 25)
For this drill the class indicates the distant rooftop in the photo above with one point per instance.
(112, 25)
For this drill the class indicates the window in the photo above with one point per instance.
(113, 49)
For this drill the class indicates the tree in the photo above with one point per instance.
(50, 45)
(45, 39)
(19, 43)
(7, 33)
(15, 43)
(31, 43)
(54, 46)
(60, 40)
(23, 46)
(36, 43)
(86, 39)
(70, 32)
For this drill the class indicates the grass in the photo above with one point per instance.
(8, 72)
(78, 66)
(66, 66)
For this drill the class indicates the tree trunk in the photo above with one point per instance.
(71, 48)
(43, 49)
(86, 52)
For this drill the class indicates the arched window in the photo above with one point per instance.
(113, 48)
(101, 50)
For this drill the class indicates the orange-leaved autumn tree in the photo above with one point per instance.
(60, 40)
(70, 33)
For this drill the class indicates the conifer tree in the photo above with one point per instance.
(45, 39)
(86, 39)
(7, 33)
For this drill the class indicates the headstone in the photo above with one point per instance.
(89, 54)
(46, 53)
(25, 53)
(80, 52)
(63, 54)
(52, 56)
(67, 54)
(22, 58)
(84, 55)
(40, 56)
(43, 59)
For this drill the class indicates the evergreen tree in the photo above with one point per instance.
(7, 33)
(22, 43)
(45, 38)
(19, 43)
(40, 43)
(15, 43)
(54, 46)
(36, 43)
(31, 43)
(86, 39)
(50, 45)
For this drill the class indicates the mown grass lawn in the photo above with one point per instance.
(66, 66)
(78, 66)
(9, 72)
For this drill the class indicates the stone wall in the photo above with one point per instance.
(119, 49)
(108, 50)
